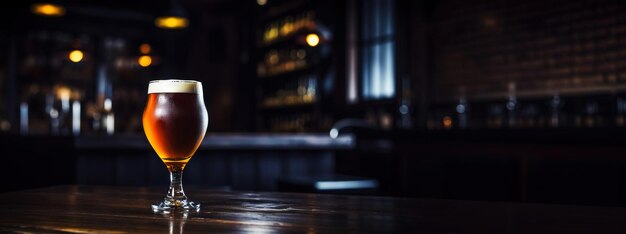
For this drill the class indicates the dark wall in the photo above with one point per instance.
(482, 48)
(215, 57)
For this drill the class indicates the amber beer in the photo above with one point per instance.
(175, 120)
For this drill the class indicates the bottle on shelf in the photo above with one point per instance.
(511, 106)
(462, 112)
(290, 123)
(279, 61)
(555, 111)
(621, 110)
(495, 116)
(288, 26)
(24, 118)
(76, 117)
(108, 117)
(298, 92)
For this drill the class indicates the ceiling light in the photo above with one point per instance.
(171, 22)
(47, 9)
(175, 18)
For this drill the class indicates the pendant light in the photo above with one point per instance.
(175, 18)
(47, 9)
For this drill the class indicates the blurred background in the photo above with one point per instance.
(486, 100)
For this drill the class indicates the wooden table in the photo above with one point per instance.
(88, 209)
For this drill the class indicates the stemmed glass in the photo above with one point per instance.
(175, 122)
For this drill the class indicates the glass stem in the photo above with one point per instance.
(176, 192)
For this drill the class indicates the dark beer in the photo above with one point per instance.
(175, 120)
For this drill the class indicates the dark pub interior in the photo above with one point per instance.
(350, 116)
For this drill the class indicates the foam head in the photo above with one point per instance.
(175, 86)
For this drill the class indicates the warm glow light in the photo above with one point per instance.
(171, 22)
(63, 93)
(144, 61)
(145, 48)
(312, 39)
(76, 56)
(261, 2)
(447, 122)
(47, 9)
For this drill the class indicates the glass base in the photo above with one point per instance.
(167, 206)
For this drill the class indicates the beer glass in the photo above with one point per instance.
(175, 121)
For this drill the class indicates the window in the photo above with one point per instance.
(370, 50)
(377, 46)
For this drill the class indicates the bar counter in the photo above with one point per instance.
(563, 166)
(97, 209)
(243, 161)
(226, 141)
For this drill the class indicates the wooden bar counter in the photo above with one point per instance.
(94, 209)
